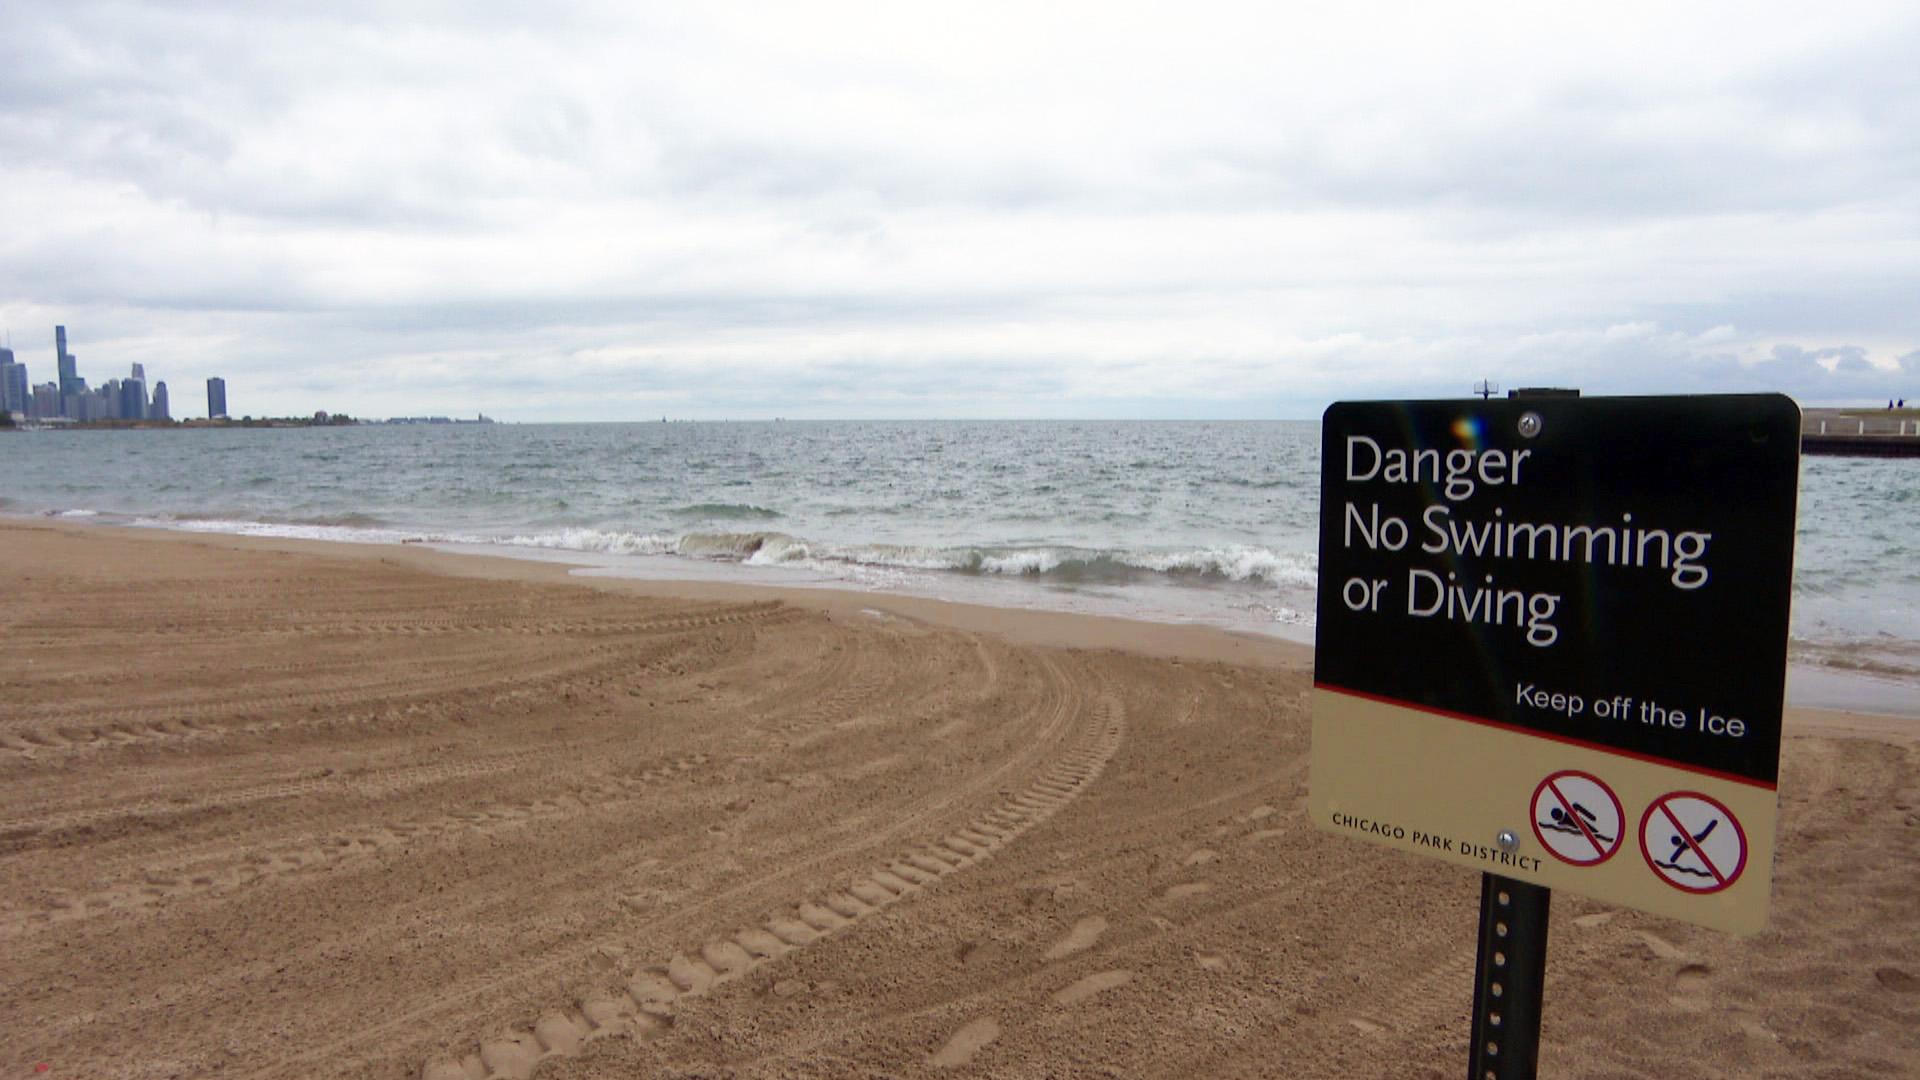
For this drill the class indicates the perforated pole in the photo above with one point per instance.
(1508, 977)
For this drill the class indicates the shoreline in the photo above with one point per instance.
(1811, 688)
(1020, 625)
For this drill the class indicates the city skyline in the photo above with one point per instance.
(69, 399)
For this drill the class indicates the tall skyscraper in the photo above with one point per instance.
(68, 375)
(216, 398)
(158, 410)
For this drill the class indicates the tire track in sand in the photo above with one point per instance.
(396, 700)
(417, 627)
(248, 866)
(1057, 715)
(374, 784)
(86, 726)
(641, 1007)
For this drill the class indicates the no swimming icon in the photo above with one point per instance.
(1577, 818)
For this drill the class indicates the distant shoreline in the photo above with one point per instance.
(169, 425)
(321, 420)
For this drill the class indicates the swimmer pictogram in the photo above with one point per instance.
(1693, 842)
(1577, 818)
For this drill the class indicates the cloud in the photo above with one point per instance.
(849, 210)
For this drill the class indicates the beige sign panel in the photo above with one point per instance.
(1646, 834)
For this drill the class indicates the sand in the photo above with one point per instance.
(274, 809)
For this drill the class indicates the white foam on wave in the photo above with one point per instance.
(595, 540)
(1240, 564)
(1036, 562)
(904, 557)
(1270, 596)
(348, 534)
(1235, 563)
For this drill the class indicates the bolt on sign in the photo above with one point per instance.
(1552, 640)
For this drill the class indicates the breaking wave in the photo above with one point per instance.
(1057, 564)
(596, 540)
(1229, 563)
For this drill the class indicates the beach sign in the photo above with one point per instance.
(1551, 640)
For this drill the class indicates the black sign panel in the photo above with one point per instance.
(1611, 571)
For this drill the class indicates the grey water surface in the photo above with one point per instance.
(1185, 521)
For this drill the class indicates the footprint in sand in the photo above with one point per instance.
(1098, 983)
(1260, 812)
(1897, 980)
(966, 1042)
(1210, 961)
(1691, 980)
(1084, 933)
(1202, 857)
(1598, 918)
(1661, 947)
(1186, 889)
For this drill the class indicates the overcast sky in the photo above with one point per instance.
(803, 209)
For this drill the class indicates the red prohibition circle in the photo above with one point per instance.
(1722, 881)
(1619, 815)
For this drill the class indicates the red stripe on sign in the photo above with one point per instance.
(1764, 785)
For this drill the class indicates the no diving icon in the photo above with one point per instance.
(1577, 818)
(1693, 842)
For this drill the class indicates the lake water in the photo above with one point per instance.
(1177, 521)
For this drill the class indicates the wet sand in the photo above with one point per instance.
(275, 809)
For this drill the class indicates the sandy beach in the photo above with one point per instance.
(287, 809)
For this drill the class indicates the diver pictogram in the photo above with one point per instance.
(1577, 818)
(1693, 842)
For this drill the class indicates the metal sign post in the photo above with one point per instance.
(1509, 974)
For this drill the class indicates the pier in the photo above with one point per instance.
(1861, 432)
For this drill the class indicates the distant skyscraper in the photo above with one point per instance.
(158, 410)
(14, 393)
(216, 398)
(140, 372)
(8, 398)
(68, 375)
(133, 399)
